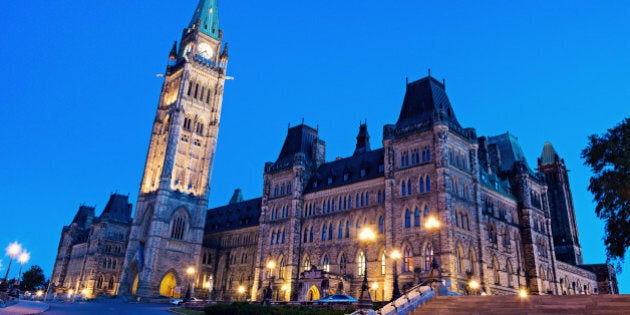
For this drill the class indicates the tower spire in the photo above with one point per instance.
(206, 18)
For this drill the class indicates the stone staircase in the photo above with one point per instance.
(538, 304)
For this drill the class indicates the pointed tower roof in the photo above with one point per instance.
(363, 140)
(118, 208)
(207, 14)
(237, 196)
(426, 102)
(549, 154)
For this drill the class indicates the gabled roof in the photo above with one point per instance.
(426, 102)
(510, 150)
(300, 139)
(369, 162)
(233, 216)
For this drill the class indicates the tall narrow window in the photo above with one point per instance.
(326, 264)
(342, 264)
(381, 225)
(273, 236)
(379, 197)
(330, 231)
(383, 262)
(403, 189)
(305, 236)
(306, 265)
(416, 217)
(347, 229)
(361, 263)
(407, 218)
(409, 187)
(324, 231)
(310, 235)
(428, 257)
(428, 183)
(282, 268)
(178, 227)
(421, 185)
(340, 231)
(283, 235)
(407, 260)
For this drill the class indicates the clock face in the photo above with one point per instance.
(204, 50)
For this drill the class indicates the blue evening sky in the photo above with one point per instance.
(79, 90)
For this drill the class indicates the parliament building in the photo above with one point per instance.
(503, 223)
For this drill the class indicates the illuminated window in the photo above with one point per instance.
(407, 260)
(361, 263)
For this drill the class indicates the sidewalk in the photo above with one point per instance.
(25, 307)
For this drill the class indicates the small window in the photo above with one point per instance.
(330, 180)
(346, 176)
(363, 172)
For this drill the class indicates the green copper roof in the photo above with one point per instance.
(549, 155)
(208, 14)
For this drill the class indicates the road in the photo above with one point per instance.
(107, 308)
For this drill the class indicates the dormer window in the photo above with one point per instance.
(330, 179)
(315, 184)
(381, 168)
(363, 172)
(346, 176)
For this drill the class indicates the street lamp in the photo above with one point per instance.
(241, 290)
(23, 258)
(365, 302)
(12, 250)
(522, 293)
(268, 292)
(473, 285)
(432, 225)
(395, 255)
(189, 291)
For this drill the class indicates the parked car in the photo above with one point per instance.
(337, 298)
(176, 301)
(184, 300)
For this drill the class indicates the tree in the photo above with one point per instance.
(32, 279)
(608, 156)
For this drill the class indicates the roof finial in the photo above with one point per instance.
(444, 83)
(429, 70)
(302, 120)
(289, 127)
(407, 80)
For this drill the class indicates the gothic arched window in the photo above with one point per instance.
(407, 218)
(381, 225)
(340, 231)
(361, 263)
(324, 231)
(326, 264)
(427, 183)
(407, 260)
(178, 226)
(416, 217)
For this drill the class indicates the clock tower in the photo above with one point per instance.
(168, 225)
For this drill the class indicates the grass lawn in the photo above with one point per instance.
(186, 311)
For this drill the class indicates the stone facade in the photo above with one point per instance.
(502, 224)
(496, 213)
(168, 227)
(91, 250)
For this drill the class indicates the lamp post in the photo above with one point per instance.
(189, 291)
(432, 225)
(474, 286)
(268, 293)
(365, 302)
(23, 258)
(12, 250)
(241, 291)
(395, 256)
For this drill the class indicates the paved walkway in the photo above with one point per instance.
(25, 307)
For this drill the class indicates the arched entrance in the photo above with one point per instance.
(168, 284)
(312, 294)
(134, 285)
